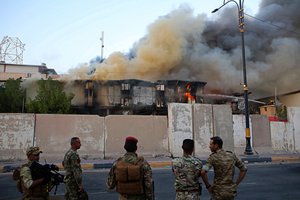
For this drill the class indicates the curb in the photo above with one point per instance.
(277, 159)
(256, 159)
(168, 164)
(160, 164)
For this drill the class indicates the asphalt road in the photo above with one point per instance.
(263, 182)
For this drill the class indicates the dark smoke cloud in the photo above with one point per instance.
(272, 53)
(183, 46)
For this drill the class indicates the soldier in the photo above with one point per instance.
(186, 170)
(131, 175)
(73, 177)
(33, 189)
(224, 163)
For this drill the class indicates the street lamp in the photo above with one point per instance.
(240, 6)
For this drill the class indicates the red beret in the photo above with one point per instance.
(133, 139)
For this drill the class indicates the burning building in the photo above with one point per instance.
(182, 46)
(132, 96)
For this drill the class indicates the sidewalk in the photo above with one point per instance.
(161, 162)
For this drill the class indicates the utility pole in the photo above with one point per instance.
(102, 44)
(240, 7)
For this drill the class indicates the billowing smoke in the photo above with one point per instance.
(183, 46)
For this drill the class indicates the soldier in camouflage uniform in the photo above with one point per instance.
(33, 189)
(73, 177)
(146, 177)
(187, 170)
(223, 163)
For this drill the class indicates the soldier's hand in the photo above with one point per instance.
(80, 188)
(54, 167)
(210, 189)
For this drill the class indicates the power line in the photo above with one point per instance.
(269, 23)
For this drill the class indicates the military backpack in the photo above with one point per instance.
(16, 176)
(130, 177)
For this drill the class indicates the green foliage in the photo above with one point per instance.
(50, 98)
(11, 96)
(282, 112)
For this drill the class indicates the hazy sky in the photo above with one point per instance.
(66, 33)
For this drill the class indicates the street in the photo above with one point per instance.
(264, 181)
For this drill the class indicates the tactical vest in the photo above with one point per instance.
(130, 177)
(39, 191)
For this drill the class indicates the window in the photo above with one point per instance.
(125, 86)
(125, 102)
(160, 87)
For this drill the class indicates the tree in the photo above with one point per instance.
(11, 96)
(50, 98)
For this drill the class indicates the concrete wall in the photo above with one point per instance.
(158, 135)
(16, 134)
(282, 136)
(294, 118)
(285, 136)
(100, 137)
(199, 122)
(239, 133)
(151, 132)
(261, 134)
(180, 119)
(203, 128)
(222, 122)
(53, 134)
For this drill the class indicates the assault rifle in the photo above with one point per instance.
(48, 172)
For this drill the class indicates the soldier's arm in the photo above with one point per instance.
(241, 176)
(204, 170)
(199, 167)
(174, 166)
(111, 179)
(205, 180)
(148, 180)
(242, 168)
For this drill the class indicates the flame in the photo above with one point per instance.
(190, 98)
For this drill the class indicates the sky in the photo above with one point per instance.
(162, 40)
(65, 34)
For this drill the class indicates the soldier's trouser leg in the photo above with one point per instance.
(224, 192)
(187, 196)
(71, 191)
(223, 196)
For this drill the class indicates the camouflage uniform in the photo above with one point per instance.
(40, 192)
(73, 177)
(132, 158)
(187, 172)
(224, 163)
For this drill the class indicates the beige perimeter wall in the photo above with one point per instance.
(53, 134)
(103, 137)
(151, 132)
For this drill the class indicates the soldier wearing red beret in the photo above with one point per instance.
(130, 174)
